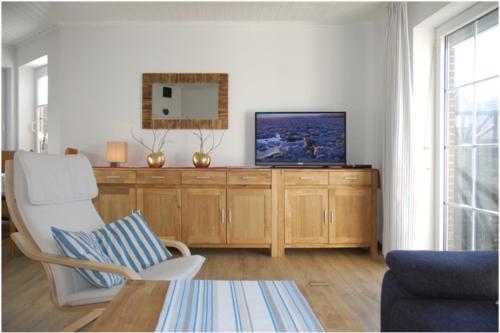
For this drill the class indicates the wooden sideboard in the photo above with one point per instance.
(247, 207)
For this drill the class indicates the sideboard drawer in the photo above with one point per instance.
(169, 177)
(306, 178)
(249, 177)
(114, 176)
(204, 177)
(350, 178)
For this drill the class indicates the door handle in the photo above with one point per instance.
(229, 216)
(324, 216)
(222, 216)
(332, 218)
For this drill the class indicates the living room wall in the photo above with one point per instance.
(95, 81)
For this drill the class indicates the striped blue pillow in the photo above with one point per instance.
(130, 242)
(85, 246)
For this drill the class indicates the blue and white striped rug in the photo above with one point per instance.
(236, 306)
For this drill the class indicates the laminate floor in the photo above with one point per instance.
(350, 301)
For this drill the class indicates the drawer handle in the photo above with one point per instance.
(351, 177)
(157, 177)
(202, 177)
(306, 178)
(114, 177)
(248, 177)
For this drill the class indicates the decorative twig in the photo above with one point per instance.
(203, 138)
(218, 143)
(163, 140)
(141, 141)
(155, 138)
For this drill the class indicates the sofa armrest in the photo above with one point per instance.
(471, 275)
(35, 254)
(178, 245)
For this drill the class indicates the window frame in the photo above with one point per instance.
(466, 17)
(40, 72)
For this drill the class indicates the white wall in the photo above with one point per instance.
(271, 67)
(49, 44)
(26, 107)
(9, 101)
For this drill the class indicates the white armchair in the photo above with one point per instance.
(55, 190)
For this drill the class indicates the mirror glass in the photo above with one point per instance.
(195, 101)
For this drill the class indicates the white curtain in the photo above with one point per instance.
(397, 169)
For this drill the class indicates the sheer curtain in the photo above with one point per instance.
(397, 170)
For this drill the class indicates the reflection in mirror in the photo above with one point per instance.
(196, 101)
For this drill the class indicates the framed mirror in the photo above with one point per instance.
(185, 100)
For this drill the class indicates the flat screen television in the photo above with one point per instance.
(300, 138)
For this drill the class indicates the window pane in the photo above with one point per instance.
(460, 113)
(460, 175)
(459, 228)
(487, 53)
(42, 90)
(486, 233)
(487, 111)
(461, 57)
(487, 178)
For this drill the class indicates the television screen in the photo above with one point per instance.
(300, 138)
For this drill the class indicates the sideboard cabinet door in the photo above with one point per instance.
(306, 216)
(249, 216)
(161, 207)
(350, 215)
(115, 202)
(204, 216)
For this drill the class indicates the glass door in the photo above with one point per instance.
(471, 135)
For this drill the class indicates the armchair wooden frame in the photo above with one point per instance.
(30, 249)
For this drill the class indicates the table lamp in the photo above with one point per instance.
(117, 152)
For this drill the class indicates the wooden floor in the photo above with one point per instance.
(351, 302)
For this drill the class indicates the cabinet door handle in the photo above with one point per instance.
(202, 177)
(306, 178)
(332, 218)
(157, 177)
(114, 177)
(324, 216)
(229, 216)
(222, 216)
(351, 177)
(248, 177)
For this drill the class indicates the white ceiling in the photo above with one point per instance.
(23, 21)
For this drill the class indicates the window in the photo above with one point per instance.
(41, 112)
(471, 89)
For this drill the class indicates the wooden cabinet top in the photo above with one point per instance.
(235, 168)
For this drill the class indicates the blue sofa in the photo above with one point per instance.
(440, 291)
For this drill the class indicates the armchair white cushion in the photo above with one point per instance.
(56, 191)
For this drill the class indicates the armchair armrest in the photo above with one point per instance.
(437, 274)
(49, 258)
(178, 245)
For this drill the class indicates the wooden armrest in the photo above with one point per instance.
(178, 245)
(24, 245)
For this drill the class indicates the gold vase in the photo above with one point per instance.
(156, 159)
(201, 160)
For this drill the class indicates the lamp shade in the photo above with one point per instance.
(117, 151)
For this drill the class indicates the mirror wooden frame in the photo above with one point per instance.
(147, 100)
